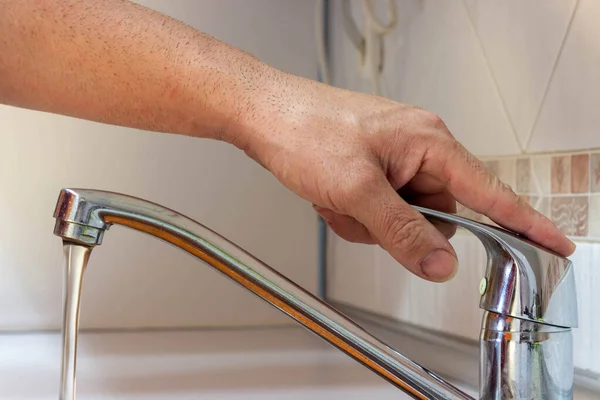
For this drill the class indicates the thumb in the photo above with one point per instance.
(404, 232)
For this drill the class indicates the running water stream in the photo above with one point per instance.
(76, 259)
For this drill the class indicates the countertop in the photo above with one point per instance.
(280, 363)
(251, 364)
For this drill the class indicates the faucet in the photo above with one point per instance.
(528, 296)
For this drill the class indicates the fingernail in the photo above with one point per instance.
(440, 266)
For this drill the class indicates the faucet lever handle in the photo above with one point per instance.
(523, 279)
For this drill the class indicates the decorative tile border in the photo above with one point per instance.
(565, 187)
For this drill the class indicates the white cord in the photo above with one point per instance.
(369, 46)
(375, 30)
(320, 37)
(376, 24)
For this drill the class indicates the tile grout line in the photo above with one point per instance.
(551, 78)
(522, 146)
(577, 239)
(589, 150)
(537, 183)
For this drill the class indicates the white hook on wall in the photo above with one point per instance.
(369, 43)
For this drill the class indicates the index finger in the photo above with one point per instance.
(475, 187)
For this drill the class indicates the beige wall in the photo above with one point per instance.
(135, 281)
(518, 83)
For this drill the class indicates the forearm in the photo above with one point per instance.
(116, 62)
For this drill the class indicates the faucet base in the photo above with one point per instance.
(521, 359)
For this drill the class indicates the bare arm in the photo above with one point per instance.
(116, 62)
(349, 154)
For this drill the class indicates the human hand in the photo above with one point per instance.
(362, 159)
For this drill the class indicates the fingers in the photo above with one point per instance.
(346, 227)
(402, 231)
(472, 185)
(442, 201)
(437, 201)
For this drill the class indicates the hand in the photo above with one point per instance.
(361, 159)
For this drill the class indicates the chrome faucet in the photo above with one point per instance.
(528, 294)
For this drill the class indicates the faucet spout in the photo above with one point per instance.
(83, 216)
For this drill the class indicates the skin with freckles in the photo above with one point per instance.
(359, 159)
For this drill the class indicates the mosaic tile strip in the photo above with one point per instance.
(564, 187)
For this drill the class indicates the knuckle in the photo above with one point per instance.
(433, 120)
(404, 233)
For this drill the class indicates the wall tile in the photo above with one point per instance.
(580, 177)
(556, 185)
(524, 182)
(542, 173)
(591, 301)
(521, 57)
(351, 276)
(457, 308)
(594, 220)
(432, 71)
(570, 214)
(543, 205)
(595, 172)
(492, 166)
(274, 224)
(582, 340)
(569, 118)
(561, 174)
(392, 286)
(507, 171)
(423, 301)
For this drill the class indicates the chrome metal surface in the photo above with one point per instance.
(524, 360)
(81, 215)
(523, 281)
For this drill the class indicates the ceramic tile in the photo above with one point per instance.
(570, 214)
(561, 174)
(350, 273)
(594, 220)
(462, 292)
(393, 281)
(541, 173)
(524, 176)
(543, 205)
(533, 200)
(507, 171)
(582, 261)
(521, 50)
(442, 69)
(492, 166)
(595, 172)
(590, 300)
(569, 117)
(580, 177)
(423, 303)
